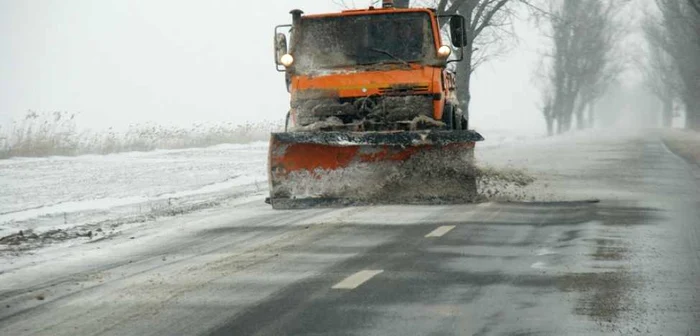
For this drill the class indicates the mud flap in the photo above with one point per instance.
(335, 169)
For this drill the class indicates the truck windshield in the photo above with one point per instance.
(346, 41)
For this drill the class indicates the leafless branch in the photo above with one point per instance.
(695, 4)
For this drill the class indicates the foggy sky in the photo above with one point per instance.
(173, 62)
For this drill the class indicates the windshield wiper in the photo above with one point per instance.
(390, 55)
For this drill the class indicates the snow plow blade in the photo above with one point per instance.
(335, 169)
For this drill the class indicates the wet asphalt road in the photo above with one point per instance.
(628, 263)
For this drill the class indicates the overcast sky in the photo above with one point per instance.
(178, 62)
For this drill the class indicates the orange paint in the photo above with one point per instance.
(312, 156)
(309, 157)
(362, 84)
(352, 84)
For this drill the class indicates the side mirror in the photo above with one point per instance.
(458, 31)
(280, 47)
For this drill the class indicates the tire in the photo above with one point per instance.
(458, 120)
(464, 120)
(448, 117)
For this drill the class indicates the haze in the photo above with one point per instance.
(180, 62)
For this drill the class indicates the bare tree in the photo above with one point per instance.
(481, 16)
(548, 112)
(695, 4)
(583, 63)
(680, 37)
(486, 23)
(660, 73)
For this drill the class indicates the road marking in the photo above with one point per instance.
(357, 279)
(441, 231)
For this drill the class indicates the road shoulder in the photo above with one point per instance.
(683, 143)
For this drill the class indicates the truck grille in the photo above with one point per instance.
(404, 90)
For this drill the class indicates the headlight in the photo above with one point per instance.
(444, 52)
(287, 60)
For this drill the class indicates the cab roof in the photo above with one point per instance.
(371, 10)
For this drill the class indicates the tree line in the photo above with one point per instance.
(584, 61)
(673, 71)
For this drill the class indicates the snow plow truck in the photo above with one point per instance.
(374, 117)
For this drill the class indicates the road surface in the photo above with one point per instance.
(608, 243)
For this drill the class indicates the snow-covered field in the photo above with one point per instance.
(44, 194)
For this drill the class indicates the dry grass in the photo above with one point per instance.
(50, 134)
(684, 143)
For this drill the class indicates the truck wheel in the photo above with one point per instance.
(463, 123)
(448, 117)
(458, 120)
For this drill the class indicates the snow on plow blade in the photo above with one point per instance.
(332, 169)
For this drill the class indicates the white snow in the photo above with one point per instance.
(33, 189)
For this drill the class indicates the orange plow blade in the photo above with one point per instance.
(333, 169)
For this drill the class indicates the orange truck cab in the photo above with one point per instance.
(375, 69)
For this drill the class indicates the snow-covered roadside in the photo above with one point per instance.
(498, 137)
(684, 143)
(59, 194)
